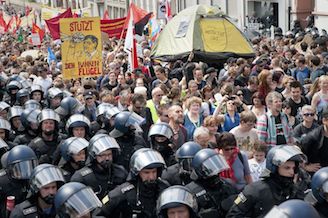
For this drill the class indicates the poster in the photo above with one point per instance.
(81, 47)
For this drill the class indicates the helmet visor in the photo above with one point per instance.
(285, 153)
(146, 158)
(23, 170)
(214, 165)
(325, 190)
(176, 195)
(79, 108)
(46, 176)
(82, 203)
(134, 118)
(105, 143)
(162, 130)
(275, 212)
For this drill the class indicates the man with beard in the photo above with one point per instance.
(139, 107)
(45, 146)
(160, 137)
(29, 120)
(176, 120)
(214, 195)
(44, 182)
(73, 151)
(102, 175)
(126, 133)
(137, 197)
(257, 199)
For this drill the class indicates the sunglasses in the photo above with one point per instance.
(309, 114)
(240, 94)
(229, 149)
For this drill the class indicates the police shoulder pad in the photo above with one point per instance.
(127, 188)
(29, 210)
(64, 172)
(240, 199)
(3, 172)
(86, 171)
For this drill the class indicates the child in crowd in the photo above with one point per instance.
(257, 163)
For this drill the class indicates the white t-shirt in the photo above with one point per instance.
(245, 140)
(256, 168)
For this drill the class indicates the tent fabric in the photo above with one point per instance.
(204, 31)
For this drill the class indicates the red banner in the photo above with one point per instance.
(113, 27)
(53, 23)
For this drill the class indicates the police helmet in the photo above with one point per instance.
(43, 175)
(48, 114)
(176, 196)
(145, 158)
(15, 111)
(36, 88)
(279, 155)
(161, 129)
(13, 85)
(26, 84)
(71, 146)
(102, 108)
(77, 120)
(319, 185)
(4, 106)
(54, 92)
(112, 112)
(21, 94)
(32, 104)
(123, 121)
(75, 199)
(69, 106)
(30, 117)
(208, 163)
(21, 161)
(4, 160)
(4, 124)
(294, 208)
(100, 143)
(186, 153)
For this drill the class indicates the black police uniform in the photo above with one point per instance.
(25, 138)
(101, 181)
(213, 201)
(129, 143)
(11, 187)
(174, 177)
(47, 151)
(133, 199)
(257, 199)
(322, 209)
(29, 209)
(68, 171)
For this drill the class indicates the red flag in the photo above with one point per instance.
(113, 27)
(53, 23)
(168, 13)
(130, 45)
(3, 23)
(36, 29)
(27, 10)
(140, 18)
(10, 22)
(106, 15)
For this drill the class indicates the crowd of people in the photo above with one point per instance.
(243, 138)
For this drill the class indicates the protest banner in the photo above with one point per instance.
(81, 47)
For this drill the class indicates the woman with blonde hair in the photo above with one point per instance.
(320, 99)
(193, 118)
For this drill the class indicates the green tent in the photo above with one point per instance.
(205, 31)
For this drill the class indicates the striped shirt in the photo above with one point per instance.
(267, 132)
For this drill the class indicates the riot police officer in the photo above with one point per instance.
(213, 193)
(46, 144)
(179, 173)
(14, 115)
(101, 174)
(319, 187)
(44, 182)
(12, 88)
(126, 134)
(105, 114)
(160, 136)
(54, 97)
(69, 106)
(177, 201)
(22, 96)
(5, 130)
(74, 199)
(3, 149)
(21, 160)
(78, 125)
(32, 104)
(137, 197)
(258, 198)
(29, 120)
(37, 94)
(293, 209)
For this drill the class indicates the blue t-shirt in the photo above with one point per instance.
(301, 75)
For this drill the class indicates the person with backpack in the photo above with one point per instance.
(273, 127)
